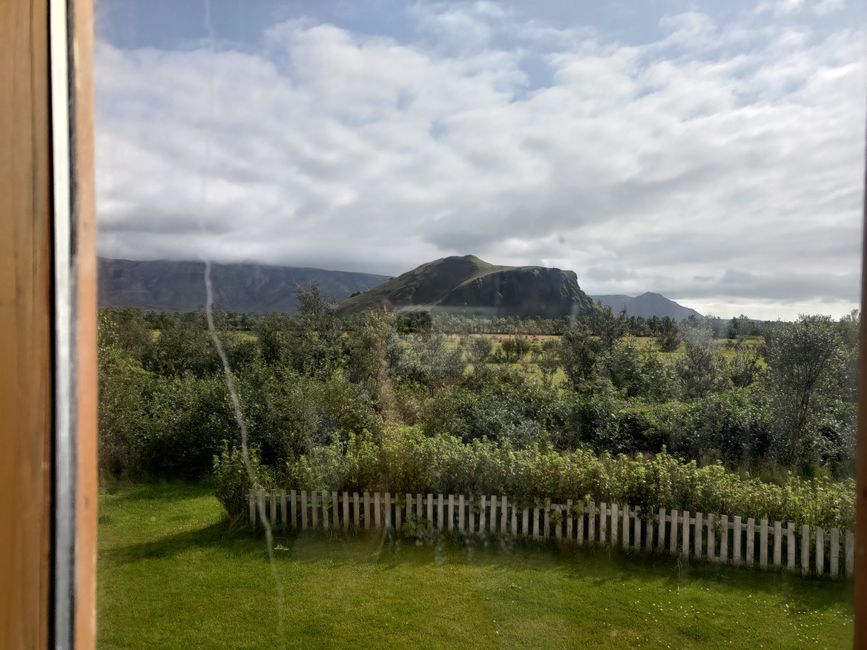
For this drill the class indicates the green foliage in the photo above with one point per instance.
(233, 477)
(807, 367)
(405, 460)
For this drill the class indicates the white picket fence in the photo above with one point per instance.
(710, 537)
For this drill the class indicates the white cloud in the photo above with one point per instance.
(641, 167)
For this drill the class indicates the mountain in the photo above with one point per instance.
(179, 286)
(647, 305)
(470, 285)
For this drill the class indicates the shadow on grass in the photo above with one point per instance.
(596, 566)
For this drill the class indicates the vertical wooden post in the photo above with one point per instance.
(737, 541)
(661, 537)
(377, 510)
(603, 515)
(615, 521)
(699, 532)
(514, 529)
(805, 549)
(367, 514)
(711, 538)
(580, 527)
(778, 544)
(751, 540)
(272, 508)
(441, 524)
(325, 510)
(314, 511)
(724, 539)
(461, 527)
(820, 551)
(790, 546)
(356, 510)
(450, 517)
(284, 516)
(482, 514)
(685, 541)
(408, 508)
(303, 509)
(504, 515)
(673, 539)
(387, 503)
(493, 521)
(345, 509)
(648, 535)
(763, 543)
(525, 522)
(625, 536)
(293, 508)
(430, 511)
(335, 509)
(251, 504)
(569, 535)
(835, 552)
(546, 519)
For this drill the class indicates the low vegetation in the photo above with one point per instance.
(761, 424)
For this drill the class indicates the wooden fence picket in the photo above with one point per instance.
(711, 538)
(673, 533)
(737, 540)
(618, 526)
(820, 551)
(778, 543)
(763, 543)
(345, 509)
(805, 549)
(335, 509)
(580, 527)
(751, 540)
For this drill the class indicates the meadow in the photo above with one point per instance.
(173, 575)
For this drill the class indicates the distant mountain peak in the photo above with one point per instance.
(468, 284)
(647, 305)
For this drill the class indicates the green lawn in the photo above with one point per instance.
(171, 576)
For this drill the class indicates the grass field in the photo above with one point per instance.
(172, 576)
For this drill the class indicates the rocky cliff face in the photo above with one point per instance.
(524, 292)
(472, 286)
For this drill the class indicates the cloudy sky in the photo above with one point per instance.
(711, 151)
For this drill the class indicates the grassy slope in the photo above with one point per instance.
(171, 577)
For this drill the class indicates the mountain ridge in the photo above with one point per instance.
(469, 285)
(646, 305)
(166, 285)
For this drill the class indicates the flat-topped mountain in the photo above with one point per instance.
(647, 305)
(470, 285)
(179, 286)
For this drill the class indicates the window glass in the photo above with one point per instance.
(475, 323)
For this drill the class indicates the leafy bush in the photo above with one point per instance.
(233, 478)
(407, 461)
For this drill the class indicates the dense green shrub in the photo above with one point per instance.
(234, 476)
(405, 460)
